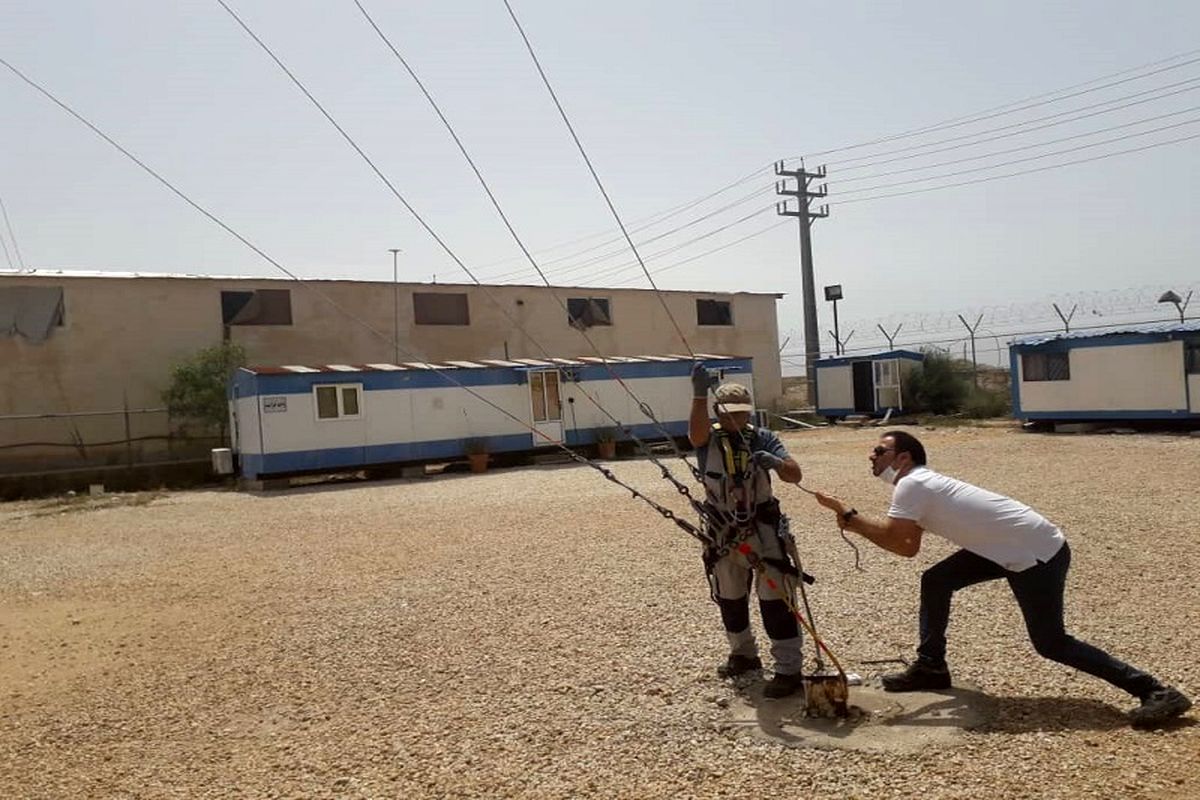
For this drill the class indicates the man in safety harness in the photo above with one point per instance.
(735, 460)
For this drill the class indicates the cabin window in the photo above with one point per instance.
(1045, 367)
(1191, 357)
(585, 312)
(257, 307)
(430, 308)
(714, 312)
(338, 400)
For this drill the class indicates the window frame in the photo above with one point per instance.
(1039, 364)
(339, 388)
(418, 297)
(702, 302)
(231, 321)
(576, 322)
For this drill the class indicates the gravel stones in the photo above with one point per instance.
(536, 633)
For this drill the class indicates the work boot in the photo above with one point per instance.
(782, 685)
(1158, 707)
(921, 676)
(739, 665)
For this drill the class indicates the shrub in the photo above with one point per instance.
(197, 390)
(935, 386)
(982, 403)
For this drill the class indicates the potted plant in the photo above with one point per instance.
(477, 454)
(606, 443)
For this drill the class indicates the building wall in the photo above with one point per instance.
(122, 334)
(1136, 377)
(835, 387)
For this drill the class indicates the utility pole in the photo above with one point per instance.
(395, 305)
(805, 215)
(970, 330)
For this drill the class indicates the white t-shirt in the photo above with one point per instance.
(988, 524)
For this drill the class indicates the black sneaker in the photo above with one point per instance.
(739, 665)
(921, 676)
(1158, 707)
(783, 685)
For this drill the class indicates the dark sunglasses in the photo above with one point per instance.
(881, 450)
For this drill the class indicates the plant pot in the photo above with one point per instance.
(607, 450)
(479, 461)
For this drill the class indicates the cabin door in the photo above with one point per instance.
(864, 387)
(887, 385)
(546, 405)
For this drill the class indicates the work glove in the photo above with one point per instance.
(702, 380)
(765, 460)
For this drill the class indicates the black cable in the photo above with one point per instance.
(1189, 85)
(641, 224)
(591, 261)
(955, 121)
(11, 235)
(840, 180)
(1018, 173)
(595, 176)
(1026, 159)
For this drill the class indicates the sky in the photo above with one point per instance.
(672, 101)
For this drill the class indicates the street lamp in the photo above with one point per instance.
(1181, 304)
(833, 294)
(396, 305)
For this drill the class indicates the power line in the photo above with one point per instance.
(1189, 85)
(725, 246)
(995, 153)
(628, 265)
(572, 268)
(640, 224)
(1026, 159)
(11, 235)
(972, 117)
(1018, 173)
(595, 176)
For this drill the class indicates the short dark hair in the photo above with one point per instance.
(907, 443)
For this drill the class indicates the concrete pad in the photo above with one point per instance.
(879, 721)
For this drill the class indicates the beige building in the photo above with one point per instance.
(76, 342)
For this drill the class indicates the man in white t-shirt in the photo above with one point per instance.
(1000, 538)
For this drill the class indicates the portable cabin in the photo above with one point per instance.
(1140, 372)
(289, 420)
(868, 384)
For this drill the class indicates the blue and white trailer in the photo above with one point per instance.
(291, 420)
(867, 384)
(1136, 373)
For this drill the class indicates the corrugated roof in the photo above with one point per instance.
(488, 363)
(1188, 326)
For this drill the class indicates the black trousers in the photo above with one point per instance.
(1039, 593)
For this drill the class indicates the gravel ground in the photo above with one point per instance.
(535, 633)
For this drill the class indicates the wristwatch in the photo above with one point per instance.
(846, 515)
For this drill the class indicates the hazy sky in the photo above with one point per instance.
(672, 99)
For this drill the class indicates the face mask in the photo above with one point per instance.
(888, 475)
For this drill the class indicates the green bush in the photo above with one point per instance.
(197, 391)
(985, 403)
(935, 387)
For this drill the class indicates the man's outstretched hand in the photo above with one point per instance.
(831, 502)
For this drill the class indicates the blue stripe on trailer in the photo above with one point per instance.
(302, 383)
(1100, 416)
(254, 464)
